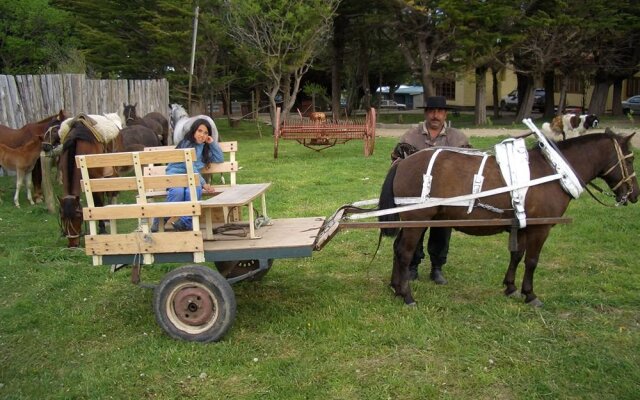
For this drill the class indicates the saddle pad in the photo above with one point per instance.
(105, 127)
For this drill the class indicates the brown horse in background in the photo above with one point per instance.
(607, 156)
(20, 152)
(80, 141)
(153, 120)
(137, 137)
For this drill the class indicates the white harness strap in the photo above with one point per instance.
(569, 181)
(478, 179)
(513, 159)
(427, 177)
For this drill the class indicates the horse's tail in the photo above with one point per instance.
(387, 201)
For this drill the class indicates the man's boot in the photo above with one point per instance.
(413, 272)
(436, 276)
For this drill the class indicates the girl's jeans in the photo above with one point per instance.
(182, 194)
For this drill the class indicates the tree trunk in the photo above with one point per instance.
(562, 102)
(336, 67)
(494, 93)
(599, 97)
(426, 62)
(616, 98)
(363, 67)
(525, 102)
(549, 101)
(481, 91)
(525, 99)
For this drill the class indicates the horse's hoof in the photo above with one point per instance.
(412, 304)
(409, 301)
(515, 293)
(535, 303)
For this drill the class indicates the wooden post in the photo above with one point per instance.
(47, 184)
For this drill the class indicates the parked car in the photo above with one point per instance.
(392, 104)
(631, 104)
(510, 101)
(539, 100)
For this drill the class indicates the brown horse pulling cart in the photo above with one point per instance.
(195, 302)
(322, 134)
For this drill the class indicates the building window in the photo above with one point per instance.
(633, 87)
(446, 88)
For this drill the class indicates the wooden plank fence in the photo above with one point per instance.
(30, 98)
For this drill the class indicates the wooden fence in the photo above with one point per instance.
(30, 98)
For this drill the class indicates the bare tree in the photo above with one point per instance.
(280, 38)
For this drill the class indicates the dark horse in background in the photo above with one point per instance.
(604, 155)
(137, 137)
(153, 120)
(20, 152)
(80, 141)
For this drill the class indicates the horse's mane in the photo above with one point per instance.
(48, 119)
(565, 144)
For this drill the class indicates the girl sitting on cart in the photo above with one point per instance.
(207, 151)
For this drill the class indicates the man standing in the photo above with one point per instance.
(434, 132)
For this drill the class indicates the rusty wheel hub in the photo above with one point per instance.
(193, 306)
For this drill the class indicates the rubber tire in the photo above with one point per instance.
(231, 265)
(206, 281)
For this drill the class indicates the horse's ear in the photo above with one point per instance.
(627, 139)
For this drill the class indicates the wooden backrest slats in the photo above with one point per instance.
(133, 211)
(126, 158)
(156, 182)
(229, 166)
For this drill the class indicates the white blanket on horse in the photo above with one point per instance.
(106, 127)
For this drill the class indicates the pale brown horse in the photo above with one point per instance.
(153, 120)
(79, 141)
(607, 155)
(20, 152)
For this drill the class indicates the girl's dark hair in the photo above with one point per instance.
(189, 139)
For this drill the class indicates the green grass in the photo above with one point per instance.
(327, 327)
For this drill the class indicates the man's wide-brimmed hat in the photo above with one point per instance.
(436, 102)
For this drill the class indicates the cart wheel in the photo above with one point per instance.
(231, 269)
(194, 303)
(369, 143)
(370, 132)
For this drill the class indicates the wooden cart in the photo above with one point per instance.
(320, 135)
(192, 302)
(195, 302)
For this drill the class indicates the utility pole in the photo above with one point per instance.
(193, 53)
